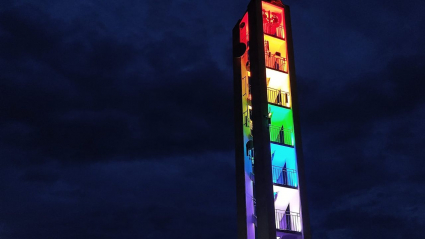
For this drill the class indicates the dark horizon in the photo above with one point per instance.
(116, 118)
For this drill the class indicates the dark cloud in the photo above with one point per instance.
(121, 199)
(100, 110)
(116, 118)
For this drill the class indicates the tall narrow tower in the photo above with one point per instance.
(271, 195)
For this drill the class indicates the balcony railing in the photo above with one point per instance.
(288, 221)
(254, 215)
(278, 97)
(247, 122)
(275, 62)
(272, 29)
(252, 176)
(281, 135)
(285, 176)
(244, 86)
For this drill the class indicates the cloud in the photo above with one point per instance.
(365, 136)
(93, 98)
(122, 199)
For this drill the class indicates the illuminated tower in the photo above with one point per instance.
(271, 196)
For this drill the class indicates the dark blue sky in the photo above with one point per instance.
(116, 118)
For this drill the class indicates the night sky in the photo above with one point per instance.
(116, 118)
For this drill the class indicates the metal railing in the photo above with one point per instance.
(272, 29)
(285, 176)
(244, 86)
(281, 135)
(252, 176)
(254, 215)
(289, 221)
(246, 119)
(247, 122)
(275, 62)
(278, 97)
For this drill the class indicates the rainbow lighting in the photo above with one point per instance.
(271, 195)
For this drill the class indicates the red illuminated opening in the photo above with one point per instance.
(273, 20)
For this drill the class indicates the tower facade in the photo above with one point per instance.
(271, 196)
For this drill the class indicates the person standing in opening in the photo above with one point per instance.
(282, 135)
